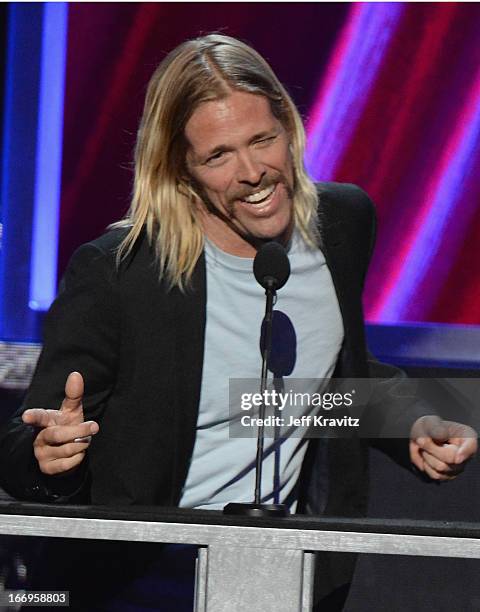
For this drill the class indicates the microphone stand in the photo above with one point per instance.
(257, 509)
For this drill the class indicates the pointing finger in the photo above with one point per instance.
(37, 417)
(467, 449)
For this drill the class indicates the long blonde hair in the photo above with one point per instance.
(199, 70)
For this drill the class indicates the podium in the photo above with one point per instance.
(245, 564)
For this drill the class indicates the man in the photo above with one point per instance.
(147, 352)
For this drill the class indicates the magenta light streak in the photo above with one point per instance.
(322, 103)
(422, 247)
(352, 71)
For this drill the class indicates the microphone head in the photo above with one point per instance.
(271, 266)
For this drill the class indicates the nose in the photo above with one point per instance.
(250, 170)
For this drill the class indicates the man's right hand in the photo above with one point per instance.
(64, 438)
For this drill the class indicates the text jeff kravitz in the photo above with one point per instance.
(306, 420)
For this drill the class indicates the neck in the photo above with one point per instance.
(228, 238)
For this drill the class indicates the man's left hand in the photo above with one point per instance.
(440, 448)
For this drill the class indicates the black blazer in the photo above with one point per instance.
(140, 347)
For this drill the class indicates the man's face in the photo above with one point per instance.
(239, 155)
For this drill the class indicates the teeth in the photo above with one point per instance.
(254, 198)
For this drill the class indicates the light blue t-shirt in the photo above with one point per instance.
(222, 468)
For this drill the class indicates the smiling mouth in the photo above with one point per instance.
(260, 198)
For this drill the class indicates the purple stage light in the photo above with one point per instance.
(434, 241)
(352, 71)
(43, 263)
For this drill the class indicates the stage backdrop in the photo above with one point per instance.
(391, 98)
(390, 95)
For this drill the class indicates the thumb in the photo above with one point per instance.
(74, 388)
(439, 431)
(432, 427)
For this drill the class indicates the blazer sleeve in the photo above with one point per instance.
(81, 333)
(394, 406)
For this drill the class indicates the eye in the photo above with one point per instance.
(216, 159)
(266, 141)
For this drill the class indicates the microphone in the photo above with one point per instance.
(271, 269)
(271, 266)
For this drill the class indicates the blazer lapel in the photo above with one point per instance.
(337, 255)
(190, 319)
